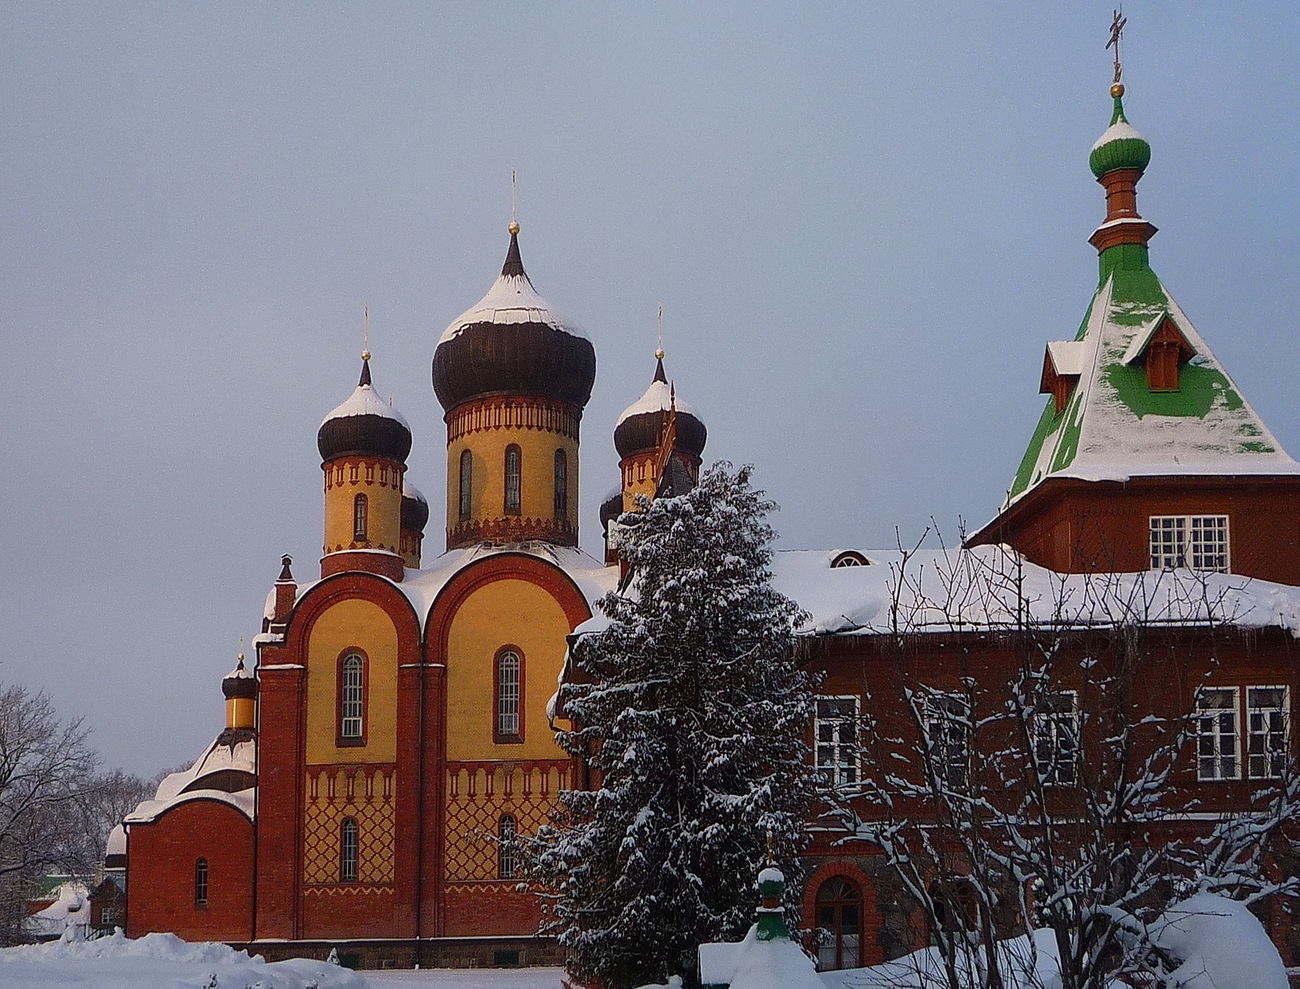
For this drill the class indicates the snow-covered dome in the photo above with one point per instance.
(513, 343)
(239, 682)
(641, 425)
(364, 425)
(1121, 146)
(415, 508)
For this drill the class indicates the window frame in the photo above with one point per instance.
(1044, 728)
(360, 518)
(561, 483)
(831, 957)
(202, 883)
(349, 864)
(507, 847)
(1280, 754)
(1185, 550)
(466, 490)
(1211, 771)
(343, 740)
(513, 478)
(940, 725)
(498, 736)
(845, 765)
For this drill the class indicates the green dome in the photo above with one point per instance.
(1120, 147)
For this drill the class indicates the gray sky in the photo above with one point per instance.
(864, 221)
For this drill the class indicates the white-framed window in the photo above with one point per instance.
(947, 722)
(509, 669)
(352, 700)
(1055, 731)
(836, 730)
(348, 850)
(507, 848)
(1197, 542)
(1217, 752)
(1267, 731)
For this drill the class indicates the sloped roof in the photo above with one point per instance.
(1114, 426)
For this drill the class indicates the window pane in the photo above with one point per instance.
(836, 731)
(512, 479)
(348, 851)
(1216, 727)
(466, 479)
(352, 706)
(1055, 732)
(1267, 710)
(561, 485)
(508, 694)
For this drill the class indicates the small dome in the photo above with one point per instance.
(641, 425)
(239, 682)
(1121, 146)
(611, 508)
(513, 343)
(364, 425)
(415, 508)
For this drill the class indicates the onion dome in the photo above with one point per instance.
(239, 682)
(611, 508)
(641, 426)
(1120, 146)
(364, 425)
(415, 508)
(513, 343)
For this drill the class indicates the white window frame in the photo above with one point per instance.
(509, 684)
(1054, 729)
(947, 722)
(1194, 542)
(1218, 733)
(837, 758)
(1268, 733)
(507, 850)
(353, 696)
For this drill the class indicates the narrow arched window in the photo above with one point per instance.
(348, 851)
(352, 697)
(509, 683)
(201, 883)
(466, 483)
(839, 913)
(359, 517)
(507, 848)
(513, 468)
(561, 484)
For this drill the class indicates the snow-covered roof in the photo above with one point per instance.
(511, 299)
(116, 842)
(1115, 427)
(657, 398)
(208, 779)
(409, 490)
(1067, 356)
(365, 402)
(1118, 131)
(70, 906)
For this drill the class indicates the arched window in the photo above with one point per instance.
(507, 850)
(352, 699)
(561, 485)
(509, 692)
(201, 883)
(466, 483)
(348, 851)
(839, 914)
(513, 468)
(359, 517)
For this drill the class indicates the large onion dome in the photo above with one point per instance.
(513, 343)
(641, 425)
(1120, 146)
(364, 425)
(415, 508)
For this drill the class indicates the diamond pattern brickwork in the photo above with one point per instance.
(364, 793)
(478, 793)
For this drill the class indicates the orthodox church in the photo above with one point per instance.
(396, 729)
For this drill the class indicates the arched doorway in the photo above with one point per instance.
(839, 914)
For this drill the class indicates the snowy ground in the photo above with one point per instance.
(474, 978)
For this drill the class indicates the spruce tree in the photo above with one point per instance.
(692, 716)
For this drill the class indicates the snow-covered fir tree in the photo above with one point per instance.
(691, 717)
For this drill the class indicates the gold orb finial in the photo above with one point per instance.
(1117, 90)
(513, 228)
(659, 354)
(365, 355)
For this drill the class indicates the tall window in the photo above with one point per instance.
(201, 883)
(509, 681)
(359, 517)
(1217, 755)
(561, 484)
(507, 850)
(1055, 730)
(839, 914)
(836, 730)
(466, 483)
(1198, 542)
(1266, 725)
(513, 469)
(352, 697)
(947, 718)
(348, 851)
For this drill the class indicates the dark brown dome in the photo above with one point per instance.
(641, 425)
(364, 425)
(512, 343)
(415, 509)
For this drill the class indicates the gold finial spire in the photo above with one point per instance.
(1116, 29)
(241, 650)
(659, 351)
(514, 204)
(770, 860)
(365, 346)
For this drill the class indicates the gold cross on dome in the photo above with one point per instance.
(1116, 29)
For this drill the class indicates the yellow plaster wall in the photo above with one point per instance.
(360, 624)
(638, 478)
(504, 612)
(537, 473)
(383, 503)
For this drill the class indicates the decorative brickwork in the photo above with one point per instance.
(365, 794)
(478, 793)
(513, 413)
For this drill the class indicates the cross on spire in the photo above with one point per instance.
(365, 345)
(1116, 29)
(659, 351)
(514, 204)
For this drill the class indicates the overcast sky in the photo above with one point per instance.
(863, 221)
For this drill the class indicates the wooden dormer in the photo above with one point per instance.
(1163, 349)
(1062, 365)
